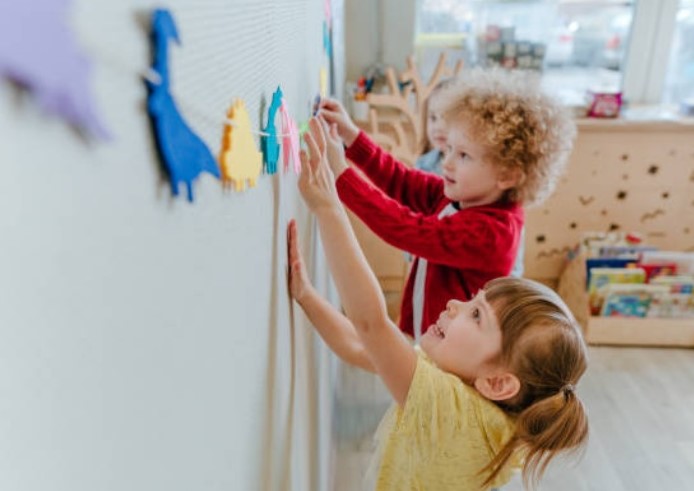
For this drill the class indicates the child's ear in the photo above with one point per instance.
(509, 178)
(498, 386)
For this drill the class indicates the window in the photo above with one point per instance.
(578, 44)
(679, 80)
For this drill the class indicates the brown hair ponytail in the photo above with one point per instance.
(543, 346)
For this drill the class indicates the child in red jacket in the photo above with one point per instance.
(508, 142)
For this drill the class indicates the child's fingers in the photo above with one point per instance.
(317, 133)
(314, 151)
(291, 240)
(330, 116)
(329, 103)
(328, 130)
(306, 170)
(333, 132)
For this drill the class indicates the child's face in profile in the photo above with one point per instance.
(436, 126)
(465, 340)
(469, 177)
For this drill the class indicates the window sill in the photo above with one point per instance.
(640, 118)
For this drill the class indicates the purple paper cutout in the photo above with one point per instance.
(270, 145)
(39, 51)
(183, 153)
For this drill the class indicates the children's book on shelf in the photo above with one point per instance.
(601, 277)
(683, 261)
(606, 262)
(678, 284)
(660, 269)
(630, 300)
(627, 278)
(672, 306)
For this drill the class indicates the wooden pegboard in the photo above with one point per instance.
(632, 176)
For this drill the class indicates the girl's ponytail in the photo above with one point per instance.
(552, 424)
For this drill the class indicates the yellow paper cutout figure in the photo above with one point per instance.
(323, 82)
(239, 159)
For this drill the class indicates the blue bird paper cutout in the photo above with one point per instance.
(270, 144)
(39, 52)
(183, 153)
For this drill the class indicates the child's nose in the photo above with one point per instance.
(451, 308)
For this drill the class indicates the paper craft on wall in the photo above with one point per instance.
(38, 51)
(290, 140)
(270, 146)
(183, 153)
(239, 158)
(328, 12)
(327, 45)
(323, 82)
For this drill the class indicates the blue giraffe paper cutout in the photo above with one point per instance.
(183, 153)
(39, 52)
(270, 143)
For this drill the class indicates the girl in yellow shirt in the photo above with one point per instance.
(491, 387)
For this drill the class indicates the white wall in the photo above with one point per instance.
(378, 31)
(147, 343)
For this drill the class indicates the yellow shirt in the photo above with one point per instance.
(442, 437)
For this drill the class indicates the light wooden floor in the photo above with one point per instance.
(641, 409)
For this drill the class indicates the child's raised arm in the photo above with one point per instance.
(335, 329)
(391, 354)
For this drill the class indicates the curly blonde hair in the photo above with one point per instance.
(519, 126)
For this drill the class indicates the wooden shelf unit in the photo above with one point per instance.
(619, 331)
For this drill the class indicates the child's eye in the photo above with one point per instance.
(476, 313)
(463, 155)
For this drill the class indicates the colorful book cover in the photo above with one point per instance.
(624, 300)
(683, 260)
(601, 277)
(605, 262)
(671, 305)
(678, 284)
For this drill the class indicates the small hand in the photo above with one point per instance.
(334, 150)
(316, 181)
(299, 284)
(334, 113)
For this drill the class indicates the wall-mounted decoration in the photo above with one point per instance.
(240, 160)
(323, 82)
(183, 153)
(290, 140)
(39, 52)
(270, 146)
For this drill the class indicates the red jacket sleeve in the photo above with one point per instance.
(463, 240)
(416, 189)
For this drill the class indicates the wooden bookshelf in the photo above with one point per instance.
(619, 331)
(640, 332)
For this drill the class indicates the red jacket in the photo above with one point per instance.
(463, 250)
